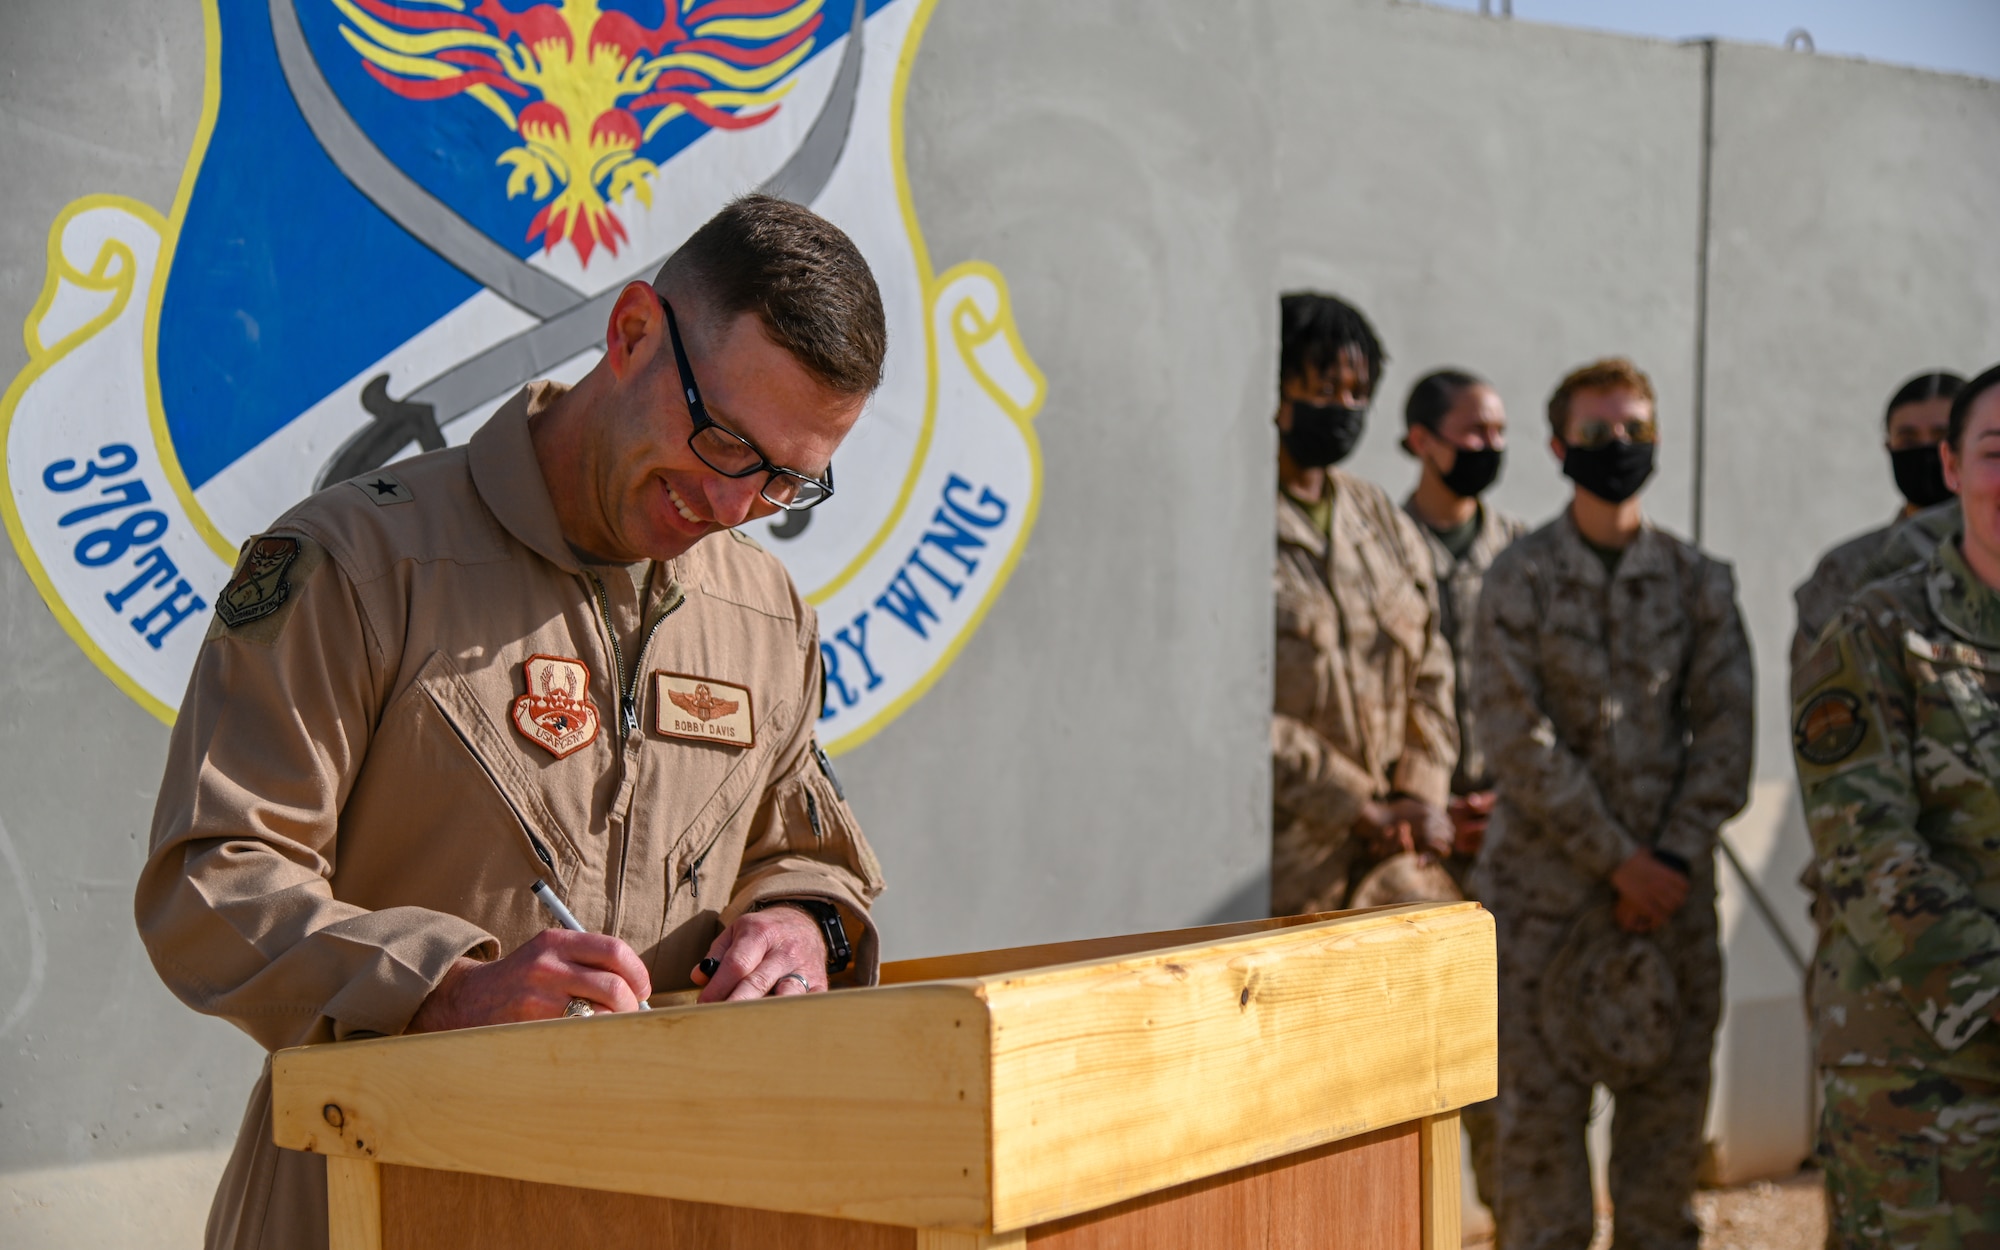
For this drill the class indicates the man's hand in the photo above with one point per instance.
(1469, 814)
(766, 952)
(536, 982)
(1649, 892)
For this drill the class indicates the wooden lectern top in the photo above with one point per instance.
(989, 1092)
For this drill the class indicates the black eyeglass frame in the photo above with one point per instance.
(698, 415)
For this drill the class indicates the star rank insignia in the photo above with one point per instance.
(556, 714)
(382, 488)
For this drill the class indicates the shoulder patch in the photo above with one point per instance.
(382, 488)
(259, 586)
(1822, 662)
(1829, 727)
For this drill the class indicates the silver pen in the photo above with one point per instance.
(565, 918)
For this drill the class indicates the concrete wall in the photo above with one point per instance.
(1851, 247)
(1503, 196)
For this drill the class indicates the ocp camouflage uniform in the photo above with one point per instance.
(1840, 574)
(1363, 691)
(1896, 733)
(1617, 710)
(1458, 580)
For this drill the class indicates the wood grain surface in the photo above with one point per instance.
(1438, 1139)
(986, 1103)
(1359, 1194)
(1116, 1079)
(353, 1204)
(429, 1210)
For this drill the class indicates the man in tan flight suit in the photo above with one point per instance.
(545, 656)
(1363, 734)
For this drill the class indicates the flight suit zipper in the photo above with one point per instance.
(627, 690)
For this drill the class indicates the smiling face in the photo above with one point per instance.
(650, 495)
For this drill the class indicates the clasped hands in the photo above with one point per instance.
(1649, 892)
(763, 953)
(1404, 824)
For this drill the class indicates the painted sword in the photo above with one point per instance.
(569, 321)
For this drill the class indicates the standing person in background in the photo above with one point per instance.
(1914, 429)
(1614, 694)
(1456, 427)
(1896, 733)
(1363, 736)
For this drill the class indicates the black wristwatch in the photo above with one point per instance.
(838, 953)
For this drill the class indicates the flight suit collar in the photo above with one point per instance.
(1967, 606)
(1647, 556)
(509, 477)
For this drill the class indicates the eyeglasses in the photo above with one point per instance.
(734, 456)
(1591, 435)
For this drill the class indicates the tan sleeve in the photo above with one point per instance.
(804, 841)
(235, 904)
(1430, 727)
(1308, 774)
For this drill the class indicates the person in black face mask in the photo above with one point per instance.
(1913, 428)
(1456, 428)
(1614, 692)
(1363, 736)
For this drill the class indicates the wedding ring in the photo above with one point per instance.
(579, 1007)
(804, 984)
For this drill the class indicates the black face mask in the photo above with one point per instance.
(1920, 475)
(1613, 472)
(1472, 472)
(1322, 434)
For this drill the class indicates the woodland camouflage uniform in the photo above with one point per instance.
(1363, 687)
(1896, 733)
(1616, 706)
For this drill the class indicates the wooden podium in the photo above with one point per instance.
(1284, 1083)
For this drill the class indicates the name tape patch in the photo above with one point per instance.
(702, 709)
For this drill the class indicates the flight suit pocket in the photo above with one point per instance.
(818, 824)
(441, 682)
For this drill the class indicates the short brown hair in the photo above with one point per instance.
(801, 275)
(1613, 373)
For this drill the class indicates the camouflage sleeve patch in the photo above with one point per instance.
(258, 599)
(1835, 724)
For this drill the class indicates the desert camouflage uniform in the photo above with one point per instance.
(1363, 690)
(1870, 557)
(1617, 709)
(1896, 734)
(1458, 580)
